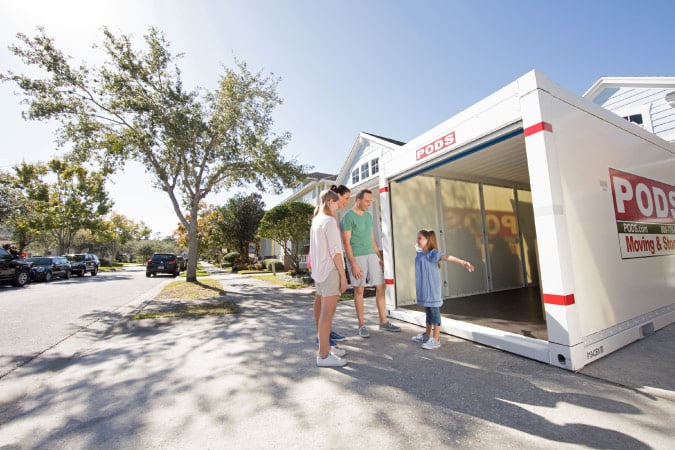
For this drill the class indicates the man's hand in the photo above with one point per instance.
(356, 271)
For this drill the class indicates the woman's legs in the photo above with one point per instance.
(328, 306)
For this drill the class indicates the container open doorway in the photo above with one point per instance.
(480, 206)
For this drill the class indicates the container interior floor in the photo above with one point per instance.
(517, 311)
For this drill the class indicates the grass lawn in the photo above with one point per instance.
(204, 290)
(273, 279)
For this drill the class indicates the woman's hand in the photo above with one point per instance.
(468, 266)
(343, 283)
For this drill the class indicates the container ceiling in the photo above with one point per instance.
(503, 163)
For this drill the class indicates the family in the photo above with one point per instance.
(353, 240)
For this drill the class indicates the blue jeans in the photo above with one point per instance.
(433, 315)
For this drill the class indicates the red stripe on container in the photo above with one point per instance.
(384, 189)
(536, 128)
(389, 281)
(563, 300)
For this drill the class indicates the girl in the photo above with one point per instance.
(428, 285)
(328, 272)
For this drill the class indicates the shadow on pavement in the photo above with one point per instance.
(250, 380)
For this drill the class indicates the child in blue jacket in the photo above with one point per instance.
(428, 285)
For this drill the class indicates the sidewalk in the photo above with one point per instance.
(250, 381)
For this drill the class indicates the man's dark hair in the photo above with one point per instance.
(363, 192)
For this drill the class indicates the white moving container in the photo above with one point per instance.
(580, 202)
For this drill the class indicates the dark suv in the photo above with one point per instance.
(13, 270)
(47, 267)
(81, 263)
(162, 263)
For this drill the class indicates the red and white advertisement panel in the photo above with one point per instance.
(645, 215)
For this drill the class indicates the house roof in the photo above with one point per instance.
(320, 176)
(615, 82)
(385, 142)
(393, 141)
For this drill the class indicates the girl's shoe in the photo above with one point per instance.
(420, 338)
(431, 344)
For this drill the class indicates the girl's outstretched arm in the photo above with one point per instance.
(453, 259)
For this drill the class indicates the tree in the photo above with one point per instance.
(288, 225)
(74, 201)
(238, 221)
(12, 201)
(134, 107)
(114, 232)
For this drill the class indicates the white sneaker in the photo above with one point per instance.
(420, 338)
(431, 344)
(338, 352)
(330, 361)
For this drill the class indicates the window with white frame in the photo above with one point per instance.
(375, 166)
(639, 115)
(355, 176)
(365, 170)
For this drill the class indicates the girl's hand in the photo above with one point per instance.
(468, 266)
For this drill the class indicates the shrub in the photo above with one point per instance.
(230, 257)
(258, 266)
(226, 264)
(291, 273)
(272, 264)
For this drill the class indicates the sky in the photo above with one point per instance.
(388, 67)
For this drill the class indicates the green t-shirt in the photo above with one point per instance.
(361, 227)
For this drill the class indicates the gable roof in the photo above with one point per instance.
(391, 144)
(616, 82)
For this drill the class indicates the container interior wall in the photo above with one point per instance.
(609, 290)
(413, 206)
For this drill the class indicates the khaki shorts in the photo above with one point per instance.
(329, 287)
(372, 271)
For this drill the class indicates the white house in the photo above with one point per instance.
(646, 101)
(307, 191)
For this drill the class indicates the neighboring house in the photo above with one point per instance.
(307, 191)
(646, 101)
(361, 170)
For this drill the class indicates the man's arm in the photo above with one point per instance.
(356, 270)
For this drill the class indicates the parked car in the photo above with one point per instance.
(45, 268)
(81, 263)
(13, 270)
(162, 263)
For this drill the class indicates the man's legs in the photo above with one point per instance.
(380, 302)
(358, 304)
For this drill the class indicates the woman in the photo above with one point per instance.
(328, 272)
(344, 195)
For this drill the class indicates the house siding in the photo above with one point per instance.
(629, 99)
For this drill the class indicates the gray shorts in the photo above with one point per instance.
(329, 287)
(372, 271)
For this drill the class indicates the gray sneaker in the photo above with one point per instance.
(363, 332)
(388, 326)
(431, 344)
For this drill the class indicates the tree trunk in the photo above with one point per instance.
(193, 245)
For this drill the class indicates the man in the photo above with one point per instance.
(364, 259)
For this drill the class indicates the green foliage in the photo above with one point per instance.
(134, 106)
(288, 225)
(273, 265)
(238, 220)
(230, 257)
(74, 201)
